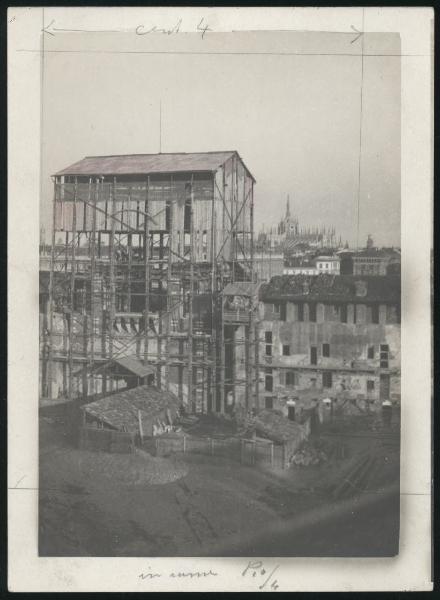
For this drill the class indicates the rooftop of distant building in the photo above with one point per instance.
(326, 287)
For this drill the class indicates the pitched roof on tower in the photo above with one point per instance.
(144, 164)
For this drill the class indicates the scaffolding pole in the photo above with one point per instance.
(190, 300)
(169, 226)
(112, 309)
(129, 248)
(92, 283)
(147, 271)
(72, 289)
(257, 366)
(51, 285)
(214, 324)
(253, 326)
(231, 216)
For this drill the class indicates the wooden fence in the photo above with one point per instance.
(106, 440)
(251, 452)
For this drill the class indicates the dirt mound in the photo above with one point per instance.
(98, 468)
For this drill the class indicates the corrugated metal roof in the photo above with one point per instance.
(135, 164)
(134, 366)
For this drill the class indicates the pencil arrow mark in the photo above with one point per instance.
(19, 481)
(47, 29)
(51, 30)
(360, 34)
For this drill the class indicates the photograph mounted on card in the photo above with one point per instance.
(222, 258)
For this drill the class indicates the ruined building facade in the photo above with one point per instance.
(330, 337)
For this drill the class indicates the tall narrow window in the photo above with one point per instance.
(312, 312)
(268, 340)
(300, 311)
(313, 355)
(375, 313)
(168, 215)
(283, 311)
(268, 383)
(326, 350)
(187, 216)
(286, 350)
(290, 378)
(344, 313)
(384, 387)
(370, 351)
(327, 379)
(384, 356)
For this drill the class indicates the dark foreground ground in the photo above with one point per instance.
(112, 505)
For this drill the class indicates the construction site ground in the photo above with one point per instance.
(98, 504)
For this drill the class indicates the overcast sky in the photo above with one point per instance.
(293, 115)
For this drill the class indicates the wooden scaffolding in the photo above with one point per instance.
(140, 269)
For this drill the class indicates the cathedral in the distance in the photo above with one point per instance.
(289, 226)
(288, 233)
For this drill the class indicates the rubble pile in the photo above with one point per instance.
(273, 425)
(246, 425)
(352, 423)
(308, 455)
(318, 452)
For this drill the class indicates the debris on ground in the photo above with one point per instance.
(273, 425)
(188, 420)
(308, 455)
(318, 451)
(358, 477)
(367, 423)
(100, 468)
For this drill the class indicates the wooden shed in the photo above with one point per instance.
(142, 408)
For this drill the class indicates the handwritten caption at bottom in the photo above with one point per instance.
(255, 570)
(149, 574)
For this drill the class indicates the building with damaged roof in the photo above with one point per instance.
(337, 336)
(124, 411)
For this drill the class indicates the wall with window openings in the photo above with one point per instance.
(319, 312)
(347, 349)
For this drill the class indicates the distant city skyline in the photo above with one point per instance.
(271, 229)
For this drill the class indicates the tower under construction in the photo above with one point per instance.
(152, 279)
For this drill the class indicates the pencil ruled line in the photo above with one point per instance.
(177, 52)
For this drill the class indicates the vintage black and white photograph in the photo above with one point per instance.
(219, 256)
(220, 295)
